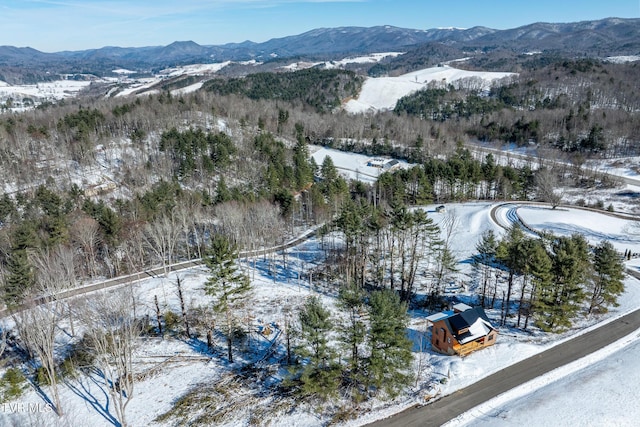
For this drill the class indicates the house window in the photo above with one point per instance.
(437, 342)
(490, 338)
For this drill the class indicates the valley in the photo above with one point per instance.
(259, 233)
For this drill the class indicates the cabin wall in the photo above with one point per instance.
(444, 342)
(441, 340)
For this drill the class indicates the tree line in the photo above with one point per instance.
(554, 278)
(580, 106)
(189, 169)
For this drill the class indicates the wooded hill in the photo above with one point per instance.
(491, 49)
(100, 187)
(212, 160)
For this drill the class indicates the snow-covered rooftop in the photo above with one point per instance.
(478, 329)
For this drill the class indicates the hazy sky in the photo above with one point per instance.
(55, 25)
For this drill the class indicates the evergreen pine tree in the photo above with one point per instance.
(7, 207)
(320, 374)
(390, 356)
(351, 300)
(303, 169)
(446, 265)
(509, 252)
(540, 268)
(486, 248)
(328, 170)
(222, 191)
(19, 278)
(559, 303)
(609, 272)
(24, 237)
(227, 284)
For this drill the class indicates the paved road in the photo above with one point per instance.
(453, 405)
(478, 146)
(153, 272)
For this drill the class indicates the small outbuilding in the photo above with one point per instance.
(383, 163)
(461, 331)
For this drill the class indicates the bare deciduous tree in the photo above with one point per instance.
(548, 187)
(161, 237)
(3, 338)
(112, 332)
(38, 324)
(37, 328)
(188, 215)
(85, 233)
(183, 308)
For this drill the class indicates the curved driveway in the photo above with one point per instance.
(461, 401)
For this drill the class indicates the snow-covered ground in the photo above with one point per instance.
(354, 166)
(138, 85)
(173, 366)
(623, 59)
(382, 93)
(366, 59)
(28, 96)
(624, 234)
(187, 89)
(195, 69)
(597, 390)
(586, 392)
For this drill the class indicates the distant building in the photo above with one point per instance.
(391, 164)
(385, 164)
(461, 331)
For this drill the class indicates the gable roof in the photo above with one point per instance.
(469, 325)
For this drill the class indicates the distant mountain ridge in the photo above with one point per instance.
(606, 37)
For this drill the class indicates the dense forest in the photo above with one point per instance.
(99, 188)
(322, 89)
(582, 107)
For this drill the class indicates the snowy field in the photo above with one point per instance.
(598, 390)
(624, 234)
(194, 70)
(382, 93)
(329, 65)
(351, 165)
(173, 366)
(623, 59)
(40, 92)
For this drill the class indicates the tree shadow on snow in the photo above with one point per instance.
(40, 392)
(82, 388)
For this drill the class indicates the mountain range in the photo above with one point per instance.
(606, 37)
